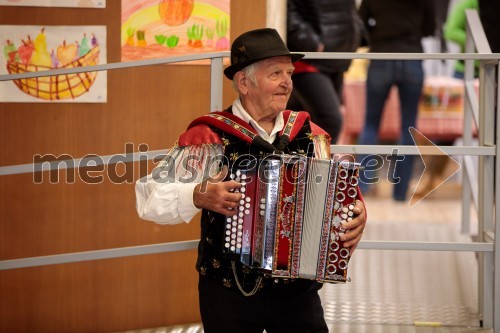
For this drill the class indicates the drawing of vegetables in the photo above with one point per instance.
(175, 12)
(160, 39)
(172, 41)
(141, 38)
(210, 37)
(195, 34)
(221, 28)
(130, 36)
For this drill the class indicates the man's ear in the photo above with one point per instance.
(242, 82)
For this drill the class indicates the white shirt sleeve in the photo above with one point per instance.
(164, 196)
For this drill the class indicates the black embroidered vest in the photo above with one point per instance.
(211, 262)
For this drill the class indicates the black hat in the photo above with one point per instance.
(256, 45)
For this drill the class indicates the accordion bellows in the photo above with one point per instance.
(289, 219)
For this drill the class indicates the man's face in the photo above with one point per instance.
(274, 86)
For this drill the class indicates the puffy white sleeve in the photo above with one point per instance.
(166, 195)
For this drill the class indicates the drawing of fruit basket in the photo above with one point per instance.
(57, 87)
(34, 56)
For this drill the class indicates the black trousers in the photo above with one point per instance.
(277, 308)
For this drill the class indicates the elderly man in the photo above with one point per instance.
(234, 297)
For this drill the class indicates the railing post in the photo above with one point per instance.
(467, 134)
(496, 269)
(216, 79)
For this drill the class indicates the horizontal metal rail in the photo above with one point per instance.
(192, 244)
(156, 155)
(116, 65)
(212, 55)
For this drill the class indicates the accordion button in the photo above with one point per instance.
(331, 269)
(243, 190)
(262, 206)
(334, 246)
(332, 257)
(344, 253)
(349, 219)
(263, 200)
(238, 173)
(262, 213)
(248, 199)
(233, 248)
(343, 216)
(345, 209)
(350, 213)
(342, 185)
(247, 205)
(247, 212)
(228, 239)
(243, 176)
(351, 207)
(242, 202)
(226, 245)
(243, 195)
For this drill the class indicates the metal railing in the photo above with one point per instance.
(477, 110)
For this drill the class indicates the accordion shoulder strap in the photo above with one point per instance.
(228, 123)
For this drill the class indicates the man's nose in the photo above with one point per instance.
(286, 81)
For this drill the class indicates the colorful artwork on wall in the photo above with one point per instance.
(55, 3)
(164, 28)
(40, 48)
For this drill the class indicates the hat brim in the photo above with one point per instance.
(233, 69)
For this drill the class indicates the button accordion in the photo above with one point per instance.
(289, 219)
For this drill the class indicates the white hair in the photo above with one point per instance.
(249, 72)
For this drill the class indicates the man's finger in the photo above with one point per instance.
(220, 176)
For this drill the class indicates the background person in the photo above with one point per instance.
(321, 26)
(394, 26)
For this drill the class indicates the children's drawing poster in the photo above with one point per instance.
(55, 3)
(39, 48)
(164, 28)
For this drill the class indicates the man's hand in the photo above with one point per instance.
(354, 228)
(218, 195)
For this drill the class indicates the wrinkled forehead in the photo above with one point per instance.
(282, 61)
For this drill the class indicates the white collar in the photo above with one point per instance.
(240, 112)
